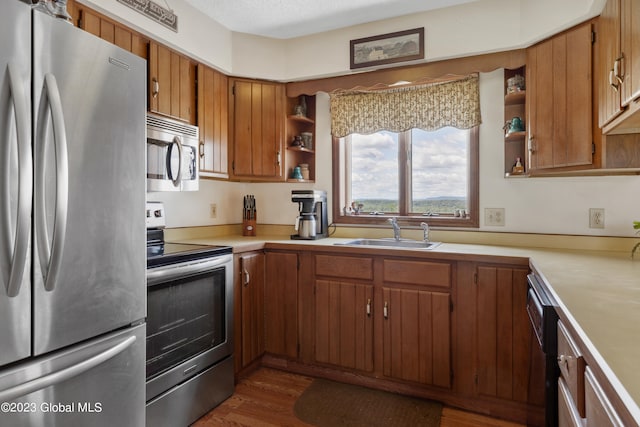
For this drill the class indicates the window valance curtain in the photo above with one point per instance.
(427, 106)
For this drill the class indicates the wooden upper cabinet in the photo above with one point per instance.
(608, 63)
(559, 100)
(109, 30)
(619, 62)
(630, 50)
(213, 121)
(172, 84)
(257, 129)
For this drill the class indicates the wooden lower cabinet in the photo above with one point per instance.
(455, 331)
(249, 306)
(498, 365)
(344, 324)
(281, 304)
(417, 336)
(503, 333)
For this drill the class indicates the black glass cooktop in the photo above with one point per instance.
(172, 253)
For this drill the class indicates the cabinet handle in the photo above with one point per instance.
(278, 158)
(616, 70)
(247, 278)
(564, 360)
(369, 307)
(385, 310)
(611, 83)
(201, 148)
(531, 148)
(156, 87)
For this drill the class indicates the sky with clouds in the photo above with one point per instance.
(439, 164)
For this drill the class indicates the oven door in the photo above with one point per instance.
(189, 320)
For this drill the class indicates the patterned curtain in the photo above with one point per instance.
(427, 106)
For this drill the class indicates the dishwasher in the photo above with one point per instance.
(541, 308)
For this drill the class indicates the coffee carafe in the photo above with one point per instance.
(311, 222)
(306, 226)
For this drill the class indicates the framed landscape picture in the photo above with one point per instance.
(388, 48)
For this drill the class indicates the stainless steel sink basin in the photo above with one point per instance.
(402, 243)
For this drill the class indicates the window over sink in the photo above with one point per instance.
(419, 175)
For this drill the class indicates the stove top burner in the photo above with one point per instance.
(161, 253)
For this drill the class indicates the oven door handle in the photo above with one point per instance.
(176, 271)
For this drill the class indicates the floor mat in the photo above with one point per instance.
(331, 404)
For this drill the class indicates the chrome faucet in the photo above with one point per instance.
(396, 228)
(425, 231)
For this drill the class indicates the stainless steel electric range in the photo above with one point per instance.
(189, 363)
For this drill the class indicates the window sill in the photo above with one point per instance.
(434, 221)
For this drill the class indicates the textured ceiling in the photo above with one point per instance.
(293, 18)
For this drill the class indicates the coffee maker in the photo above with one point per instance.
(311, 222)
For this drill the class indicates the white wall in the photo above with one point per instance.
(541, 205)
(546, 205)
(198, 36)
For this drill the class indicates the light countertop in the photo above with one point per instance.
(597, 291)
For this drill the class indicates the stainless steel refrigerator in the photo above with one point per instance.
(72, 225)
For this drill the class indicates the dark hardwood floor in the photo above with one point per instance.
(266, 398)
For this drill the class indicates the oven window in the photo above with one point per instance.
(184, 318)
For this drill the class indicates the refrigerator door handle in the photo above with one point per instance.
(66, 373)
(17, 256)
(51, 255)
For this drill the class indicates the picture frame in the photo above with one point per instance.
(387, 48)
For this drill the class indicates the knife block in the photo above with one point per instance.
(249, 227)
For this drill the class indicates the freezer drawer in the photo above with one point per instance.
(98, 383)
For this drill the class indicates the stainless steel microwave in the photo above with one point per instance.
(172, 155)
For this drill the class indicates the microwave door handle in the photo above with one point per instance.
(16, 257)
(177, 179)
(51, 255)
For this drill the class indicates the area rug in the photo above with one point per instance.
(331, 404)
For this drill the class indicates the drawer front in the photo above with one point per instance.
(418, 272)
(598, 409)
(572, 365)
(568, 415)
(344, 267)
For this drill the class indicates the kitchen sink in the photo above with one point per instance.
(393, 243)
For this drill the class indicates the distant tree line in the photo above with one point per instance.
(435, 205)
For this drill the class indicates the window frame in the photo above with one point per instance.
(472, 220)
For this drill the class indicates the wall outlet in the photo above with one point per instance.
(494, 216)
(213, 210)
(596, 218)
